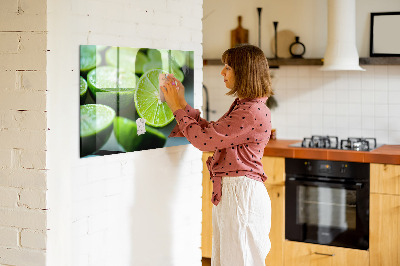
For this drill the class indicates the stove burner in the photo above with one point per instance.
(332, 142)
(328, 142)
(358, 144)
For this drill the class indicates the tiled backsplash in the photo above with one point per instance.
(314, 102)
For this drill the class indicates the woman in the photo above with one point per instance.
(241, 213)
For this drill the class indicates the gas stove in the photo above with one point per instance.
(332, 142)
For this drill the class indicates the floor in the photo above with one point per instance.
(206, 261)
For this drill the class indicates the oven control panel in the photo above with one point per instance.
(338, 169)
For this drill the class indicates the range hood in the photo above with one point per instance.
(341, 51)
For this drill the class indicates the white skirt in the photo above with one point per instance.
(241, 223)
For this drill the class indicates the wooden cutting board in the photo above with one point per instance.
(239, 35)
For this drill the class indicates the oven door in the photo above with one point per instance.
(327, 213)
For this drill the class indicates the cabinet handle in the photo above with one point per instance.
(325, 254)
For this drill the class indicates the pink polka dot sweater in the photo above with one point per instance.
(238, 139)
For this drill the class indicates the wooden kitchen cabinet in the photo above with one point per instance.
(385, 178)
(305, 254)
(384, 236)
(206, 232)
(274, 168)
(277, 233)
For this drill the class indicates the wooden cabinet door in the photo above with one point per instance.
(277, 233)
(305, 254)
(385, 178)
(274, 168)
(206, 232)
(384, 236)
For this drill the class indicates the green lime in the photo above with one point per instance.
(125, 131)
(179, 57)
(154, 55)
(83, 90)
(191, 59)
(95, 127)
(112, 87)
(130, 59)
(148, 103)
(89, 58)
(158, 65)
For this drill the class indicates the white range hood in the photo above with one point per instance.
(341, 51)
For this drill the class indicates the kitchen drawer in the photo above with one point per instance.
(385, 178)
(305, 254)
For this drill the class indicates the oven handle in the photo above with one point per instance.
(357, 185)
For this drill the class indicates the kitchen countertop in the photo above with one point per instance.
(389, 154)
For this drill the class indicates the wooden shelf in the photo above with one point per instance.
(273, 63)
(380, 61)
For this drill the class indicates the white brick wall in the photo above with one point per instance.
(23, 125)
(141, 208)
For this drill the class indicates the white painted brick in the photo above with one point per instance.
(98, 222)
(23, 139)
(23, 100)
(17, 256)
(33, 239)
(5, 158)
(23, 218)
(33, 7)
(8, 197)
(31, 80)
(7, 80)
(9, 237)
(23, 178)
(31, 15)
(9, 42)
(29, 119)
(31, 56)
(33, 159)
(33, 199)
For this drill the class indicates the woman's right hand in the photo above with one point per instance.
(181, 91)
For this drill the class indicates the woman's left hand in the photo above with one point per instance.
(171, 94)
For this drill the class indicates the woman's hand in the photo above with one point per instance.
(181, 91)
(173, 94)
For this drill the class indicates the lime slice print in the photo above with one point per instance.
(112, 87)
(191, 59)
(147, 100)
(125, 131)
(179, 57)
(89, 58)
(154, 55)
(83, 90)
(130, 59)
(158, 65)
(95, 127)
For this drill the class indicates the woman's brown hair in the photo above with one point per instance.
(250, 66)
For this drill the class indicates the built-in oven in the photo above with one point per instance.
(327, 202)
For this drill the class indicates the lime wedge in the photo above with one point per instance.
(130, 59)
(148, 103)
(83, 90)
(125, 131)
(89, 58)
(95, 127)
(112, 87)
